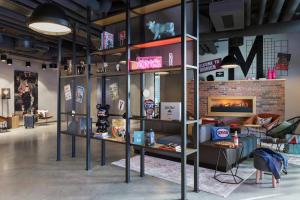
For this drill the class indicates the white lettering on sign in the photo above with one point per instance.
(210, 65)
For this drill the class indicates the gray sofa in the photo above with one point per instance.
(208, 153)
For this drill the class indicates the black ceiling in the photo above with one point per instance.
(14, 13)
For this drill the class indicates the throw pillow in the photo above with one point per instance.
(263, 121)
(220, 133)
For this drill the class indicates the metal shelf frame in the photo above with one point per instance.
(185, 152)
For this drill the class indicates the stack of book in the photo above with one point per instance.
(102, 135)
(171, 147)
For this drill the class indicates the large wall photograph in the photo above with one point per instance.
(26, 91)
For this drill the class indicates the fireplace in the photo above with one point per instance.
(239, 106)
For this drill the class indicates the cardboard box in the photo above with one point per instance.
(170, 111)
(13, 122)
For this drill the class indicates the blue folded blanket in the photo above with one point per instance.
(270, 157)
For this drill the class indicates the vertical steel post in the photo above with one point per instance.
(73, 84)
(183, 100)
(142, 125)
(88, 99)
(128, 33)
(103, 102)
(196, 96)
(58, 150)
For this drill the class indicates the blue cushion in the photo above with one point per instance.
(220, 133)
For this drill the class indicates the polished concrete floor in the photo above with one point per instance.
(29, 170)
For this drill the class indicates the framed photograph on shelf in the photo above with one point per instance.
(79, 94)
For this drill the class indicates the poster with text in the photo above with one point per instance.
(26, 91)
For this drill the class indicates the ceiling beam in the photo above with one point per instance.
(289, 10)
(276, 10)
(248, 12)
(262, 10)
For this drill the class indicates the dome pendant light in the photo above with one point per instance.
(49, 19)
(229, 62)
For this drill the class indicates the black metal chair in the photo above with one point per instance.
(277, 135)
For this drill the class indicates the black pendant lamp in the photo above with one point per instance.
(229, 62)
(49, 19)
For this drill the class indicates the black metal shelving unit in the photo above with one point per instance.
(183, 39)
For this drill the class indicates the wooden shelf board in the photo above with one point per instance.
(156, 6)
(158, 120)
(144, 9)
(157, 146)
(110, 51)
(71, 134)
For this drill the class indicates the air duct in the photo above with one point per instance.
(290, 10)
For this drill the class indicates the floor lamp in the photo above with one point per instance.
(5, 95)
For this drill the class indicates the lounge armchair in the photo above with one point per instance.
(253, 126)
(277, 135)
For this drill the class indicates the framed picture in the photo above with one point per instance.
(79, 94)
(68, 93)
(5, 93)
(26, 91)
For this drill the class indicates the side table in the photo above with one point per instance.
(236, 178)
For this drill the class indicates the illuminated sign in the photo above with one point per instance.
(149, 62)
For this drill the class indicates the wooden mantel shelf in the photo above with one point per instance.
(242, 80)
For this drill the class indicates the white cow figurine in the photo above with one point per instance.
(158, 29)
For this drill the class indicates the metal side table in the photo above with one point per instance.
(222, 151)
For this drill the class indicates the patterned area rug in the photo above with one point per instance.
(170, 171)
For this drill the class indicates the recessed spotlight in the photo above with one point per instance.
(44, 67)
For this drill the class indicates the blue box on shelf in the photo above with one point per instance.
(139, 137)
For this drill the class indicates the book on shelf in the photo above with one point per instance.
(102, 135)
(107, 40)
(171, 147)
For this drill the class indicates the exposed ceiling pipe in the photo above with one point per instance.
(278, 28)
(276, 10)
(262, 9)
(248, 12)
(290, 10)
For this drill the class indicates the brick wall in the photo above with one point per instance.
(270, 94)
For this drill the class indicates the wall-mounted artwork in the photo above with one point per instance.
(5, 93)
(26, 91)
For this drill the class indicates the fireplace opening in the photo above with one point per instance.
(231, 106)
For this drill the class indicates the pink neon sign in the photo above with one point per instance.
(149, 62)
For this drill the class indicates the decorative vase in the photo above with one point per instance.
(274, 74)
(270, 74)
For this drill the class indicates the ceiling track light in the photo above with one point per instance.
(3, 57)
(44, 67)
(49, 19)
(28, 64)
(9, 61)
